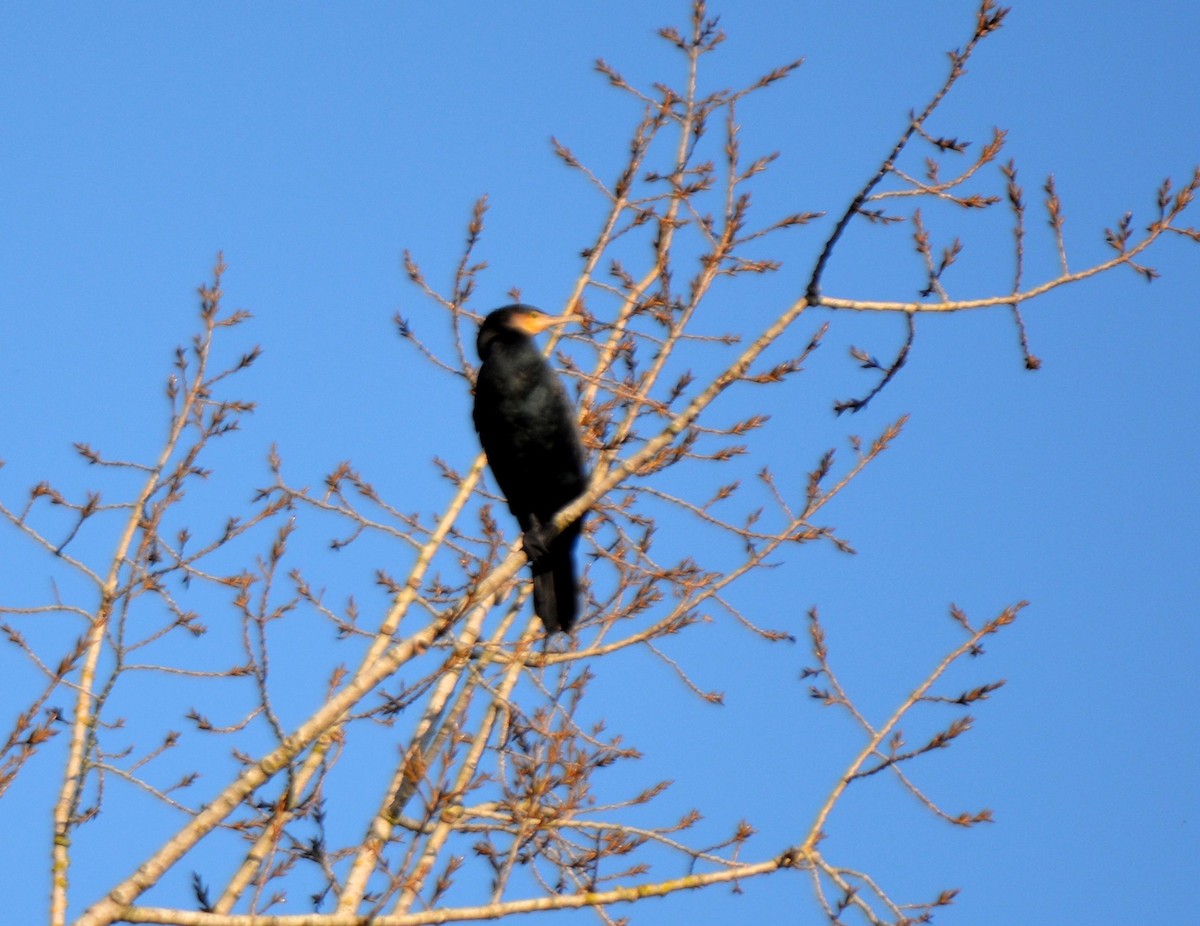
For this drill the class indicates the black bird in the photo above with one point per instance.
(527, 427)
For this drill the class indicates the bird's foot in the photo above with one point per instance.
(535, 543)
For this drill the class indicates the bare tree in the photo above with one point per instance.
(466, 739)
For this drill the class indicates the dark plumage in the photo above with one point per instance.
(528, 430)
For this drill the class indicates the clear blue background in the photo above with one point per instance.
(313, 143)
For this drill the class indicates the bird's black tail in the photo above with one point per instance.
(555, 592)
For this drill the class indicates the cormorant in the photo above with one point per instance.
(527, 428)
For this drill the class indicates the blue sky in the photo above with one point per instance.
(313, 143)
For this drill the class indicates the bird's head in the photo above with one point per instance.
(522, 319)
(527, 319)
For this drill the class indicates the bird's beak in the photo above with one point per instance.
(538, 323)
